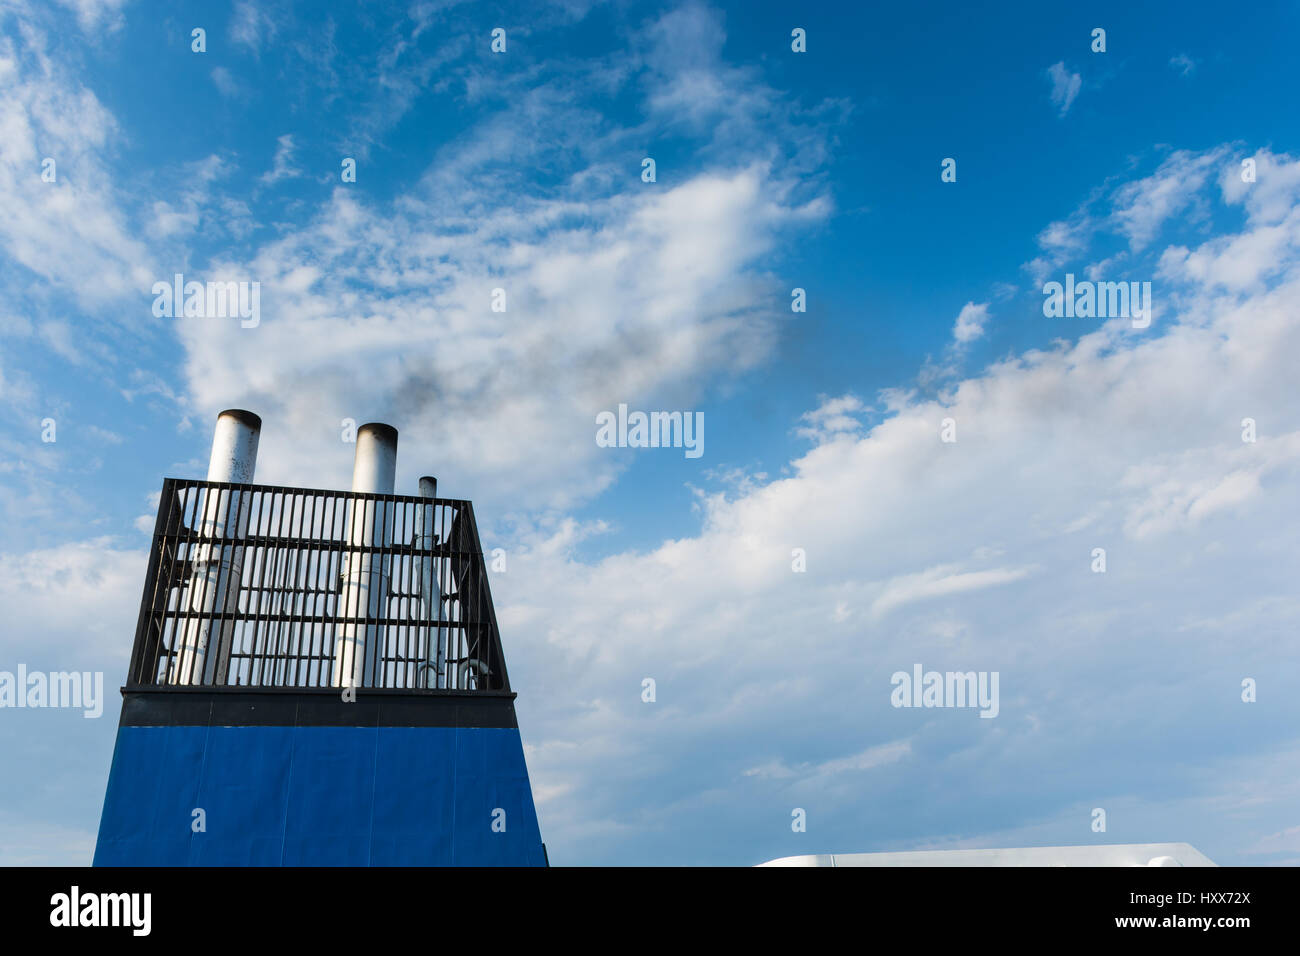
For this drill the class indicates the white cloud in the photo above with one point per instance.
(250, 26)
(970, 322)
(1270, 199)
(282, 166)
(816, 774)
(72, 605)
(68, 232)
(940, 582)
(226, 83)
(380, 314)
(1060, 241)
(1138, 210)
(835, 417)
(1130, 443)
(1065, 86)
(1186, 488)
(92, 14)
(1143, 206)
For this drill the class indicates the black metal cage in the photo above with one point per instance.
(260, 586)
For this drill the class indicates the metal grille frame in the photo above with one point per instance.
(264, 574)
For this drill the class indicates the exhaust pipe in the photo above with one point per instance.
(218, 567)
(364, 595)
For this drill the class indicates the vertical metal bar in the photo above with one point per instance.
(333, 572)
(306, 630)
(218, 625)
(284, 639)
(313, 608)
(386, 676)
(281, 628)
(267, 554)
(496, 657)
(149, 598)
(444, 574)
(172, 622)
(296, 592)
(171, 513)
(393, 608)
(336, 578)
(396, 577)
(188, 661)
(409, 623)
(274, 623)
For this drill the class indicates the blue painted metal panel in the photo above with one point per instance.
(243, 788)
(318, 796)
(424, 837)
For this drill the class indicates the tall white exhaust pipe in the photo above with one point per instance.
(364, 594)
(218, 568)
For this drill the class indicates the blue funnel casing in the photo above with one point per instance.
(240, 743)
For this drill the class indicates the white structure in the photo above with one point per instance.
(1122, 854)
(218, 568)
(358, 645)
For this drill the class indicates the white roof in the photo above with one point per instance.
(1120, 854)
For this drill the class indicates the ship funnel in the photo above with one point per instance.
(261, 608)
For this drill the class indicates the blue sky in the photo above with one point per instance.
(774, 170)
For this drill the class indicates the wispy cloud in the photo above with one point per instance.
(872, 758)
(970, 322)
(226, 83)
(941, 581)
(282, 165)
(1065, 86)
(251, 26)
(834, 418)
